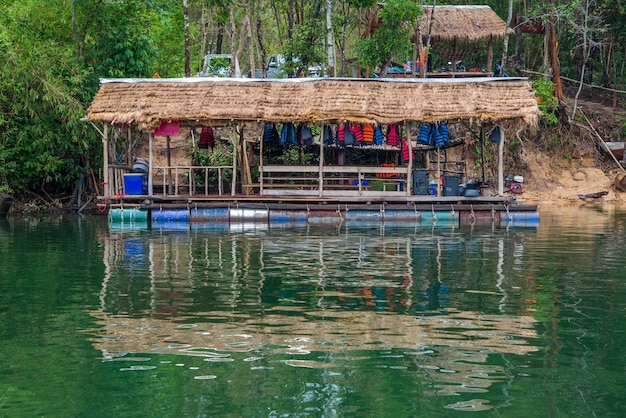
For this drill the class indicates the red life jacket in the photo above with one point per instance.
(392, 135)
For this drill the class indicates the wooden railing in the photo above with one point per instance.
(176, 180)
(333, 180)
(192, 180)
(115, 184)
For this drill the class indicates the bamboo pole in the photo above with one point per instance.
(233, 186)
(261, 167)
(169, 165)
(410, 163)
(150, 163)
(105, 156)
(501, 162)
(438, 172)
(320, 180)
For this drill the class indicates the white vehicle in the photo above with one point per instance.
(276, 64)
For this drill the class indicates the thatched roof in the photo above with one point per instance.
(147, 102)
(462, 23)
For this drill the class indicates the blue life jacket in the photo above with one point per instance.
(379, 136)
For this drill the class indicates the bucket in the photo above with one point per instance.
(432, 187)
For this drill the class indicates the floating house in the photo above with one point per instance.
(160, 108)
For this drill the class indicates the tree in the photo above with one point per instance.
(393, 38)
(43, 94)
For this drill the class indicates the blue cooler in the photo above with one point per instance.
(134, 184)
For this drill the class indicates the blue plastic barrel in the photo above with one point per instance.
(209, 214)
(287, 217)
(526, 219)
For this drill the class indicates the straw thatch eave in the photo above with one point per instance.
(147, 102)
(462, 24)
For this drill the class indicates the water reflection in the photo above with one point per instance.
(435, 304)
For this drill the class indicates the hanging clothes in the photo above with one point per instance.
(207, 138)
(329, 137)
(288, 134)
(270, 133)
(305, 135)
(348, 135)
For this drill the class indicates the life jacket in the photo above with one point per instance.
(207, 138)
(379, 136)
(368, 133)
(425, 135)
(340, 134)
(434, 134)
(440, 134)
(405, 151)
(357, 131)
(392, 135)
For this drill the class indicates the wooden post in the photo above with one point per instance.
(233, 186)
(246, 176)
(501, 163)
(409, 144)
(105, 156)
(482, 151)
(169, 166)
(261, 167)
(129, 144)
(438, 172)
(490, 54)
(150, 163)
(320, 184)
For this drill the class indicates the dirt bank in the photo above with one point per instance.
(565, 165)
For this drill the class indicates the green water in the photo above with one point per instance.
(314, 322)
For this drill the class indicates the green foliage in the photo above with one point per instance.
(123, 45)
(546, 100)
(393, 38)
(295, 155)
(220, 155)
(305, 44)
(43, 95)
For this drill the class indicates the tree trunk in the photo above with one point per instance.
(186, 28)
(505, 46)
(242, 33)
(276, 16)
(260, 40)
(330, 40)
(290, 18)
(233, 38)
(556, 72)
(249, 44)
